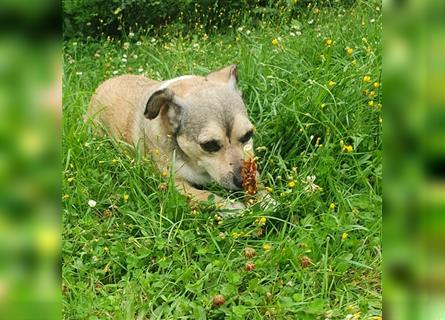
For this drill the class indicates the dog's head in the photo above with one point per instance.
(209, 120)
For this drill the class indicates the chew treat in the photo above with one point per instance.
(248, 171)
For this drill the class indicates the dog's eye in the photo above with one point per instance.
(246, 137)
(211, 146)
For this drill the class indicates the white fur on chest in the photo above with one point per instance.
(190, 174)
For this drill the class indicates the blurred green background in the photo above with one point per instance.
(414, 171)
(30, 104)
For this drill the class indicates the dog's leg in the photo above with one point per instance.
(197, 195)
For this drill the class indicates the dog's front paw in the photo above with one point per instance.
(231, 208)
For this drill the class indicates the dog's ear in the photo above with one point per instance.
(165, 97)
(227, 75)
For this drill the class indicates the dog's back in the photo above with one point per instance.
(115, 102)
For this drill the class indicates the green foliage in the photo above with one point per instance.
(142, 253)
(98, 17)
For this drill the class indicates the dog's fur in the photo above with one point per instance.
(202, 120)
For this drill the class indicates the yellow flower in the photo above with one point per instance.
(376, 318)
(126, 196)
(266, 247)
(291, 184)
(70, 179)
(366, 78)
(269, 189)
(371, 103)
(329, 42)
(351, 308)
(344, 236)
(275, 41)
(348, 148)
(114, 161)
(164, 173)
(372, 94)
(262, 220)
(332, 206)
(349, 50)
(235, 235)
(354, 62)
(376, 85)
(331, 83)
(65, 196)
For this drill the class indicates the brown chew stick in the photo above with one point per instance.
(248, 171)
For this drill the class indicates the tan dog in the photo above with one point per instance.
(201, 120)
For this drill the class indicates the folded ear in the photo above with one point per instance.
(165, 97)
(227, 74)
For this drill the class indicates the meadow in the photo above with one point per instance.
(132, 246)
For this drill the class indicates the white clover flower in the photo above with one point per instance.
(92, 203)
(311, 186)
(115, 72)
(131, 34)
(138, 43)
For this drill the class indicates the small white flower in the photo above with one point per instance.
(311, 186)
(153, 40)
(124, 60)
(74, 44)
(79, 73)
(124, 55)
(92, 203)
(140, 70)
(292, 34)
(372, 20)
(126, 45)
(240, 29)
(135, 56)
(195, 45)
(131, 34)
(138, 43)
(298, 33)
(115, 72)
(311, 21)
(247, 32)
(88, 24)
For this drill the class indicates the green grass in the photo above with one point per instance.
(151, 256)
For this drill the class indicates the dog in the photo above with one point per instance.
(201, 121)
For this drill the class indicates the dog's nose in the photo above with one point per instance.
(238, 180)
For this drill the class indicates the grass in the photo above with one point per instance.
(142, 253)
